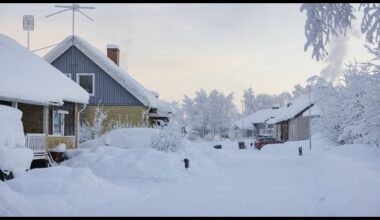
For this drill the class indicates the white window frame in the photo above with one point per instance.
(62, 113)
(93, 81)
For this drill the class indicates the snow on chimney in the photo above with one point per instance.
(113, 53)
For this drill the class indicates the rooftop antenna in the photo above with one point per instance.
(75, 7)
(28, 24)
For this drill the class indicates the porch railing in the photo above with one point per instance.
(37, 143)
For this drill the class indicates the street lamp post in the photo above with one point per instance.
(242, 118)
(309, 116)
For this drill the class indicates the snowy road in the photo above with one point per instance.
(274, 181)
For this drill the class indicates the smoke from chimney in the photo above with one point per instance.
(337, 55)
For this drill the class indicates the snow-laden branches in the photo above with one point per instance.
(325, 20)
(90, 131)
(350, 109)
(371, 22)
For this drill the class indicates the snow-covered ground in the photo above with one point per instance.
(275, 181)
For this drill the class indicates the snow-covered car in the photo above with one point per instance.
(260, 142)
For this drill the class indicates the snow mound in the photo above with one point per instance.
(13, 154)
(59, 148)
(13, 203)
(11, 128)
(120, 165)
(68, 191)
(17, 160)
(125, 138)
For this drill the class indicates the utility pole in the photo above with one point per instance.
(242, 118)
(310, 116)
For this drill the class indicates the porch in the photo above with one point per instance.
(41, 143)
(45, 127)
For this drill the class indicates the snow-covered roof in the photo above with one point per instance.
(25, 77)
(122, 77)
(257, 117)
(315, 111)
(290, 110)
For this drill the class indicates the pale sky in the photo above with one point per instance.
(177, 49)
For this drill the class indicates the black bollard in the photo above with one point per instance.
(187, 163)
(300, 151)
(241, 145)
(218, 146)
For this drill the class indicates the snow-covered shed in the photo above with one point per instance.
(125, 99)
(48, 100)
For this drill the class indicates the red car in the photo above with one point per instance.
(260, 142)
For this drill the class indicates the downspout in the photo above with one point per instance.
(146, 112)
(78, 123)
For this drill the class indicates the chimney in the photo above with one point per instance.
(113, 53)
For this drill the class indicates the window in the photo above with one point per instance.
(58, 126)
(87, 82)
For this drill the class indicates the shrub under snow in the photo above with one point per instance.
(13, 154)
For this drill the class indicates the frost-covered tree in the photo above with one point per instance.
(326, 20)
(90, 131)
(350, 112)
(209, 115)
(249, 101)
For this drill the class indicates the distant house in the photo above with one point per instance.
(49, 101)
(291, 122)
(255, 124)
(124, 99)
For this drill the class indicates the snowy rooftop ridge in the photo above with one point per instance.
(257, 117)
(25, 77)
(121, 76)
(293, 108)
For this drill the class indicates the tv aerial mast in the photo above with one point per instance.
(75, 7)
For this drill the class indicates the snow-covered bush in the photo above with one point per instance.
(170, 137)
(14, 157)
(90, 131)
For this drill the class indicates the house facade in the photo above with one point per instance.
(124, 99)
(292, 121)
(49, 102)
(255, 124)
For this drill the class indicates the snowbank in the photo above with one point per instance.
(13, 203)
(125, 138)
(62, 191)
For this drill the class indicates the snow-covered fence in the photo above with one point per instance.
(37, 143)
